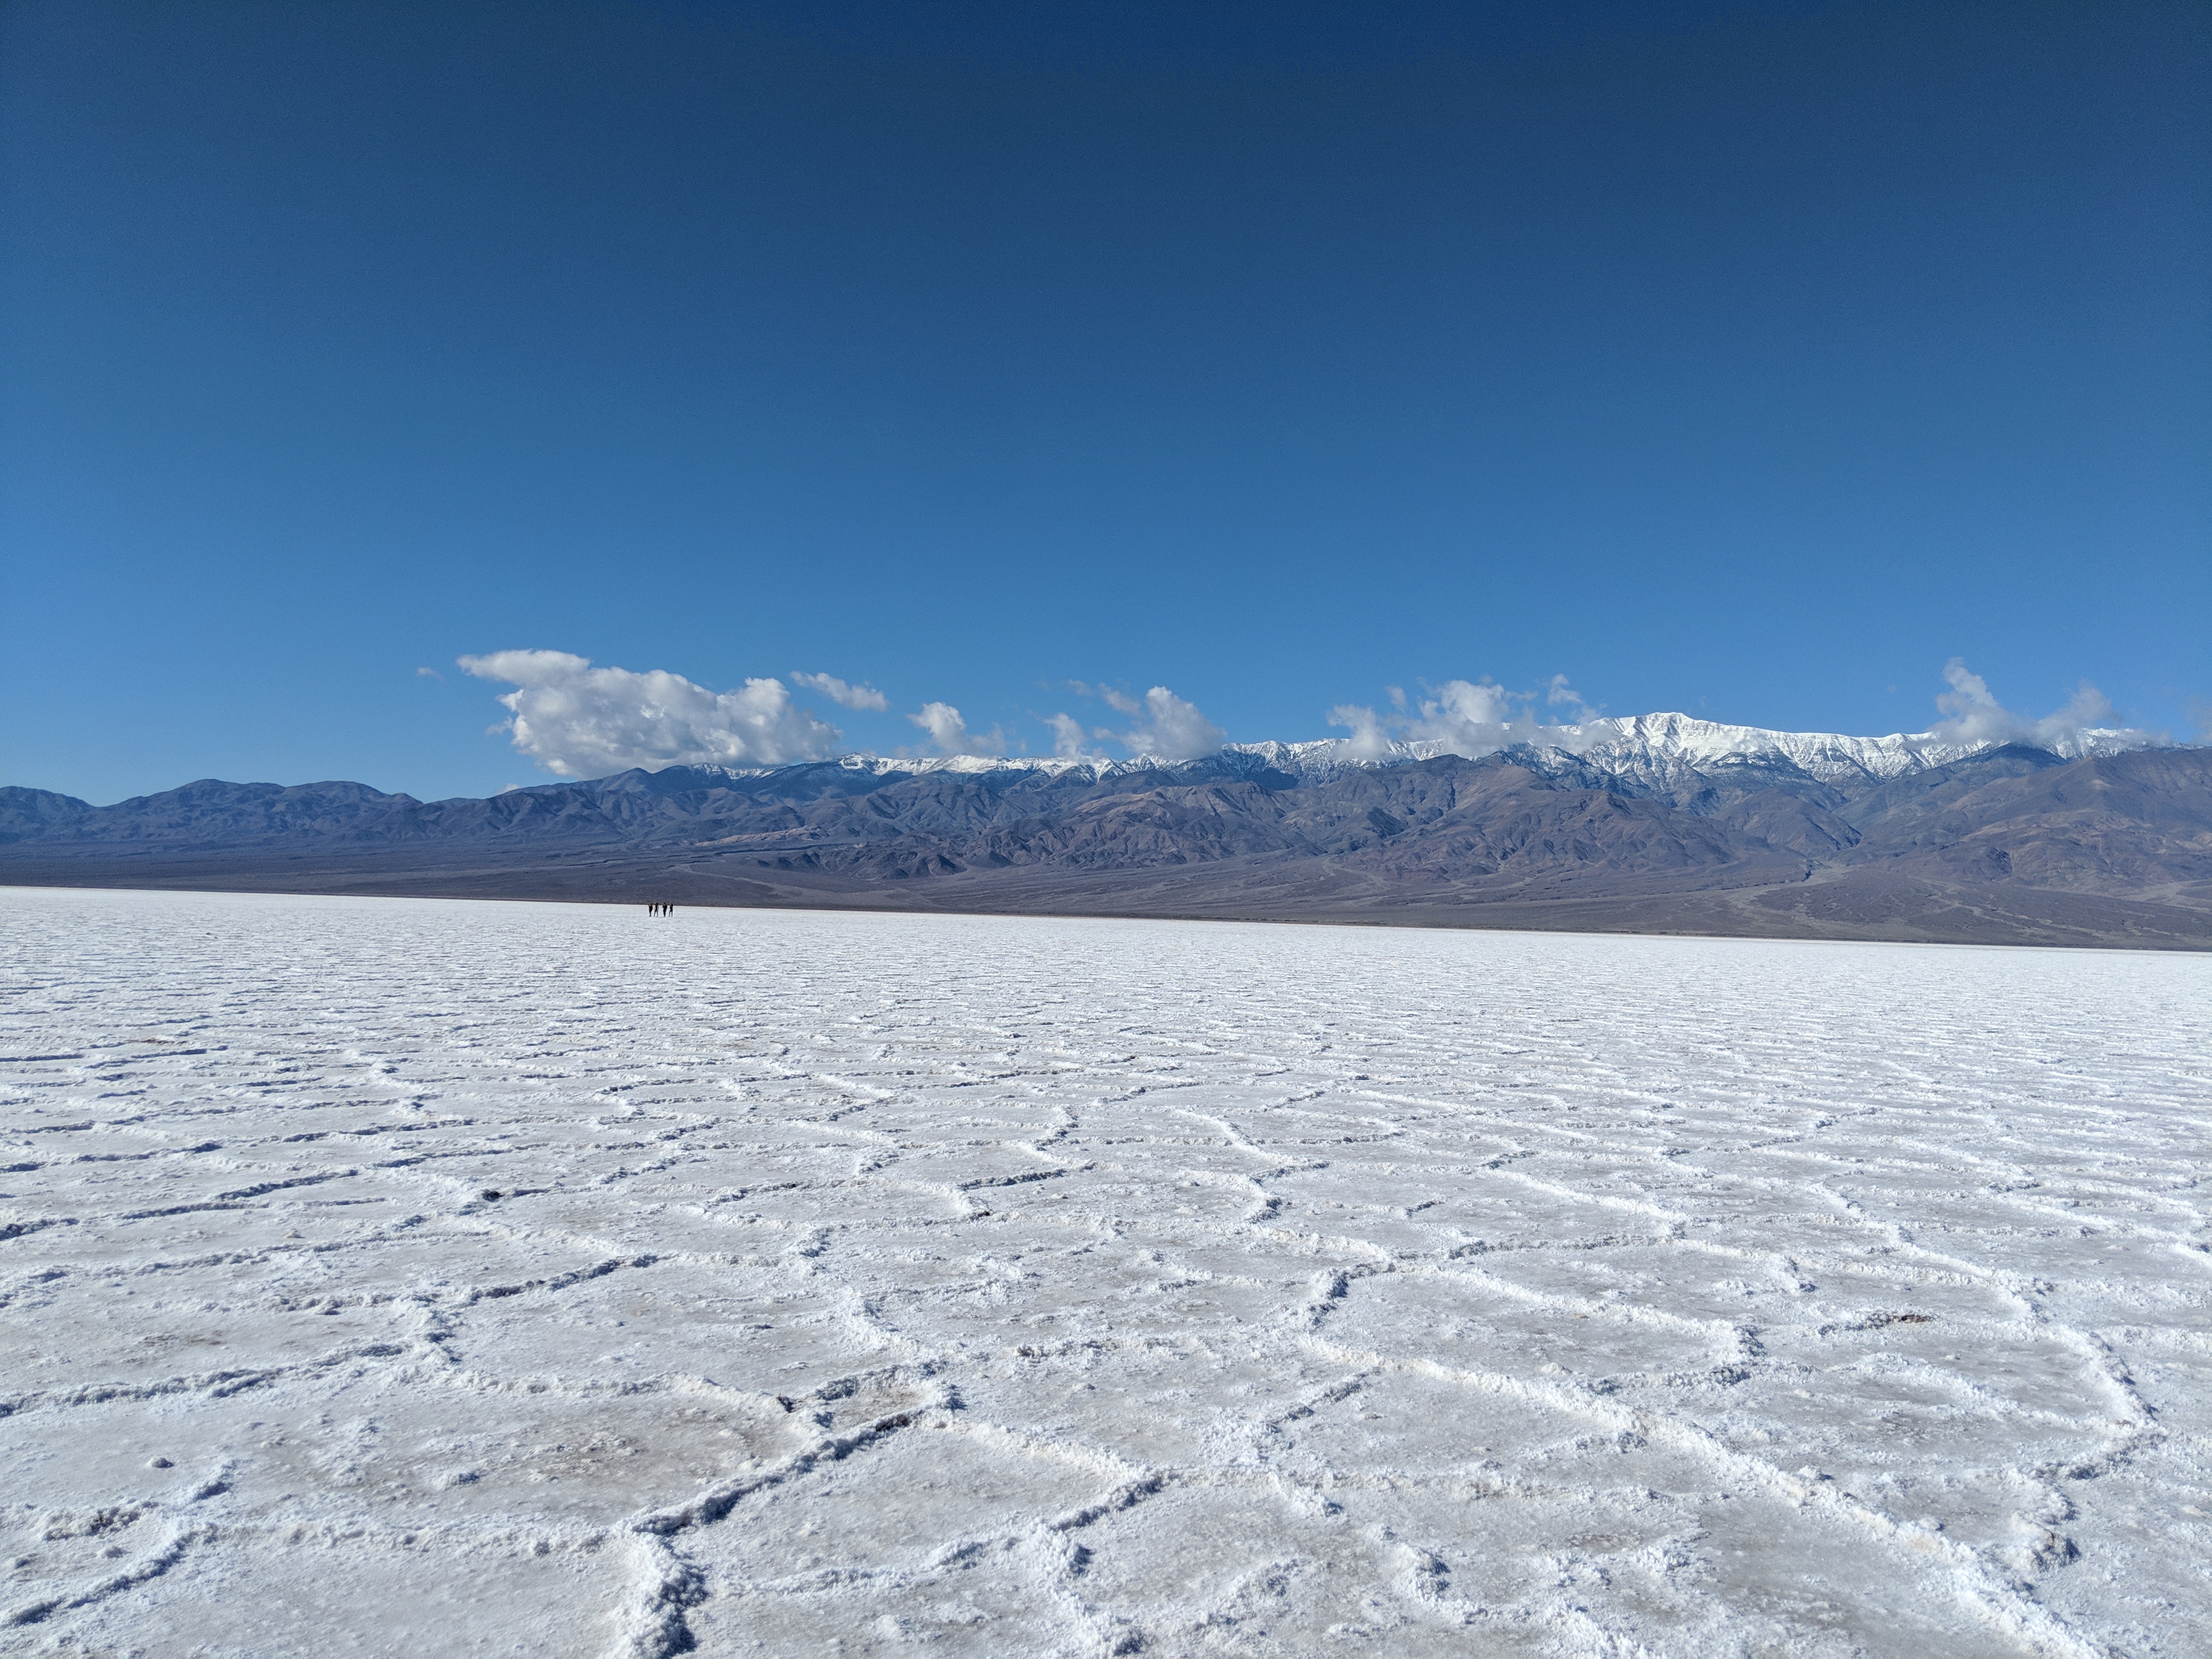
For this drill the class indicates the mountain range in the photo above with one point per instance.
(1659, 823)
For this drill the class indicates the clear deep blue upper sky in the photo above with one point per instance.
(1748, 360)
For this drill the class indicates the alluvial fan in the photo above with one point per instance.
(416, 1277)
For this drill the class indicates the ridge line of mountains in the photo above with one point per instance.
(1668, 825)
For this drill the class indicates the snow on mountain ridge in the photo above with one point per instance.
(1664, 748)
(1668, 742)
(1664, 741)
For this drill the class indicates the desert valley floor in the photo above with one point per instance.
(416, 1277)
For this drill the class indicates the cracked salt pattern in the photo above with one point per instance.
(1039, 1287)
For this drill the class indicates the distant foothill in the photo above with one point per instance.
(1668, 825)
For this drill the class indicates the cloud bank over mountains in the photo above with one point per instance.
(1972, 716)
(576, 720)
(949, 733)
(1479, 718)
(1470, 718)
(1168, 727)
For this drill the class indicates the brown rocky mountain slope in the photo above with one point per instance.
(2012, 845)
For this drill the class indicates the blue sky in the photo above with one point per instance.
(1754, 360)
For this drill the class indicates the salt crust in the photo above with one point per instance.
(857, 1284)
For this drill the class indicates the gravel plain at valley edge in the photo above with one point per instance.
(408, 1276)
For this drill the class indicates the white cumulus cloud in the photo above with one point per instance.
(1467, 717)
(1472, 718)
(1168, 727)
(949, 733)
(1121, 701)
(1369, 740)
(1559, 694)
(858, 697)
(578, 722)
(1067, 737)
(1172, 729)
(1972, 714)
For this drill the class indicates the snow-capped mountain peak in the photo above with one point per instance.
(1664, 749)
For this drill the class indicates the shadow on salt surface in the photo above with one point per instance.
(238, 1598)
